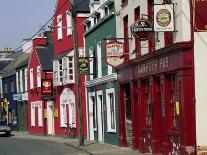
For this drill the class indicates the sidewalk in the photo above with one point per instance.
(93, 148)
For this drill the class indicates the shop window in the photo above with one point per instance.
(149, 106)
(40, 122)
(174, 103)
(73, 114)
(111, 116)
(63, 115)
(93, 102)
(32, 115)
(38, 105)
(59, 27)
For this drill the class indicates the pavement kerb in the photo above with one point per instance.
(81, 148)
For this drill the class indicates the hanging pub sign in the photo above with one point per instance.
(164, 20)
(46, 87)
(84, 65)
(141, 29)
(200, 15)
(113, 52)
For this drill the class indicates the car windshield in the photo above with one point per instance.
(2, 122)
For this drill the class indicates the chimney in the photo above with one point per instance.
(39, 41)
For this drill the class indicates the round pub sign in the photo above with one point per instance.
(113, 51)
(141, 29)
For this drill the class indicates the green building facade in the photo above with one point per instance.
(101, 83)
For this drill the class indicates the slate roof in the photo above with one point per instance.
(10, 69)
(46, 55)
(4, 63)
(82, 6)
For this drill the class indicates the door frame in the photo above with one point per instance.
(50, 106)
(100, 117)
(90, 115)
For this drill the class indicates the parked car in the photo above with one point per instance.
(4, 129)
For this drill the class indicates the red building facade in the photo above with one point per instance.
(156, 85)
(37, 69)
(64, 67)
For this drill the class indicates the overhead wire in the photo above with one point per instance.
(79, 4)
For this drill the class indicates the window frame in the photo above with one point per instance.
(59, 27)
(38, 76)
(108, 107)
(31, 71)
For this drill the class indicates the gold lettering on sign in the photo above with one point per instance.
(153, 65)
(201, 0)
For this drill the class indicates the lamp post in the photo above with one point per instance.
(77, 73)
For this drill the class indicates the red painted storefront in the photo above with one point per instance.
(61, 46)
(160, 92)
(34, 94)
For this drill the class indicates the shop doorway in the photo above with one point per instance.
(128, 114)
(100, 115)
(50, 122)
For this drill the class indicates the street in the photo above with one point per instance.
(13, 146)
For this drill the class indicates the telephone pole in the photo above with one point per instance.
(77, 73)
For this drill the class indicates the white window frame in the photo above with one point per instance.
(90, 95)
(31, 78)
(110, 69)
(72, 113)
(55, 72)
(21, 82)
(63, 115)
(34, 105)
(25, 77)
(40, 120)
(38, 76)
(91, 63)
(59, 27)
(60, 65)
(109, 117)
(17, 81)
(69, 23)
(99, 58)
(71, 54)
(32, 114)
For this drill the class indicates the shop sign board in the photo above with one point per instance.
(17, 97)
(55, 112)
(200, 17)
(46, 87)
(84, 65)
(142, 29)
(113, 52)
(164, 19)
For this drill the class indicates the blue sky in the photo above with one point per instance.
(21, 19)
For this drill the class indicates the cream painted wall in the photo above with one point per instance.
(182, 17)
(200, 54)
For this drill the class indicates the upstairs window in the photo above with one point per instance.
(17, 81)
(38, 77)
(25, 77)
(69, 23)
(20, 81)
(31, 78)
(59, 27)
(55, 72)
(60, 76)
(68, 69)
(5, 88)
(12, 86)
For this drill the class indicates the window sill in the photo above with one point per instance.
(111, 130)
(95, 129)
